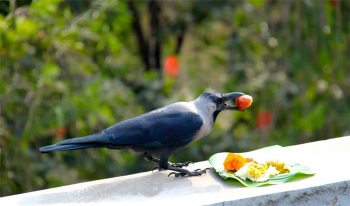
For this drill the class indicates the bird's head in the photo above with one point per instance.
(214, 102)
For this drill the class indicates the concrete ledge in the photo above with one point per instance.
(330, 185)
(331, 194)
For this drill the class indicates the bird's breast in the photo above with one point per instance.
(206, 118)
(206, 127)
(203, 131)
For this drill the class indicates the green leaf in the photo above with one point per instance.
(217, 161)
(256, 3)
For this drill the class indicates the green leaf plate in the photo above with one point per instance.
(267, 153)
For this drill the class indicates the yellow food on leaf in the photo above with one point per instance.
(280, 166)
(256, 172)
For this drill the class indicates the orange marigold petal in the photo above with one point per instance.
(234, 161)
(249, 159)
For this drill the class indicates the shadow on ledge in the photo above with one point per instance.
(147, 186)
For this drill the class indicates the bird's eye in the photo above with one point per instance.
(219, 100)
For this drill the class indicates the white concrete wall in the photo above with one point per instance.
(330, 185)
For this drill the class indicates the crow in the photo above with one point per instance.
(160, 132)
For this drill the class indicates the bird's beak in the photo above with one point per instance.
(231, 96)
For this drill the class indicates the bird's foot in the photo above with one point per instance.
(197, 172)
(180, 165)
(177, 165)
(157, 168)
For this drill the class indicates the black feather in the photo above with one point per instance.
(96, 140)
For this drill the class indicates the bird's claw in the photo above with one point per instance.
(177, 174)
(180, 165)
(197, 172)
(157, 168)
(204, 170)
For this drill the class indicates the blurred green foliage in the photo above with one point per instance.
(72, 68)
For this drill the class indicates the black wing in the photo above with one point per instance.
(168, 126)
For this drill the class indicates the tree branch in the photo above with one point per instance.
(13, 6)
(142, 44)
(179, 39)
(154, 47)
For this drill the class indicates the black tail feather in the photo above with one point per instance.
(55, 147)
(96, 140)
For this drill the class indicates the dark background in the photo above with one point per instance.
(72, 68)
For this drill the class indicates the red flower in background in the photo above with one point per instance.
(41, 34)
(333, 3)
(263, 119)
(172, 66)
(61, 131)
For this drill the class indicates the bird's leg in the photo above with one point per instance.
(180, 165)
(183, 172)
(164, 164)
(148, 157)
